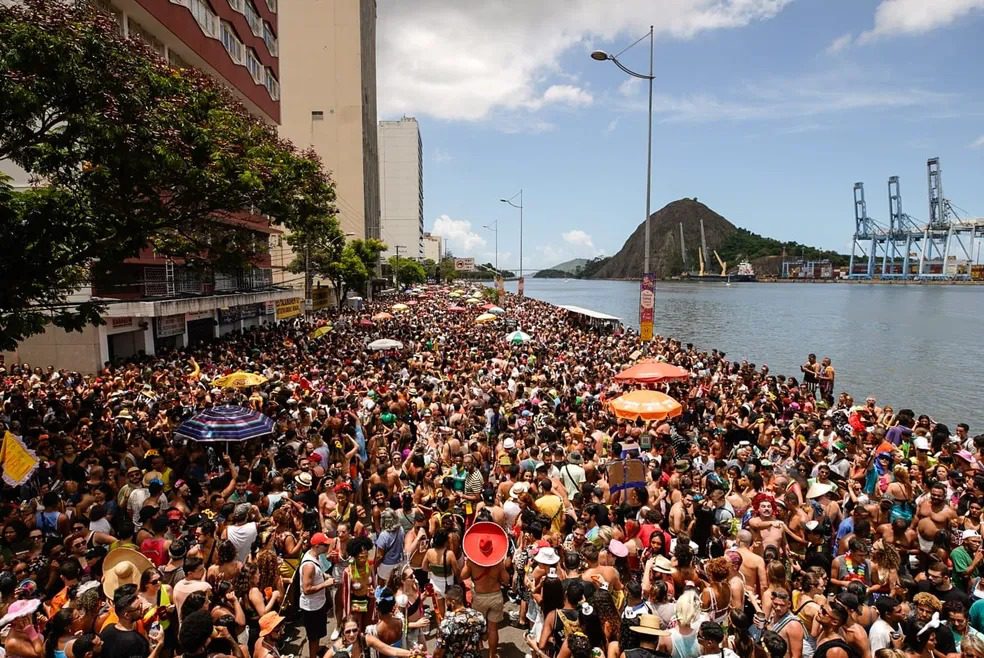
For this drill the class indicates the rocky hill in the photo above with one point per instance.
(664, 241)
(731, 242)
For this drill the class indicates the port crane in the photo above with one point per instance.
(945, 247)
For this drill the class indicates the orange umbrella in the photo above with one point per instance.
(651, 372)
(647, 405)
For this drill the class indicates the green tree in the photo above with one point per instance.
(131, 152)
(407, 271)
(447, 271)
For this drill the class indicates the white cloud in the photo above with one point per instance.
(440, 156)
(791, 98)
(612, 125)
(567, 95)
(907, 17)
(578, 238)
(465, 61)
(460, 236)
(978, 143)
(839, 44)
(630, 87)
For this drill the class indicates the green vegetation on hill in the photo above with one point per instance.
(742, 243)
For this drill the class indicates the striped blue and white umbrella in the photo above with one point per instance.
(226, 423)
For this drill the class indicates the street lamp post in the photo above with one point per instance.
(398, 247)
(495, 228)
(519, 286)
(647, 284)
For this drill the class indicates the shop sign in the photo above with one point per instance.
(170, 325)
(289, 308)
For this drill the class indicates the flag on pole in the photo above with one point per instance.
(18, 461)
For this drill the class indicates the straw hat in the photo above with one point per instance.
(269, 623)
(303, 479)
(662, 564)
(818, 489)
(18, 609)
(650, 625)
(123, 566)
(518, 489)
(485, 544)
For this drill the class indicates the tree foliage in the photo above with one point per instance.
(130, 152)
(348, 265)
(407, 271)
(744, 244)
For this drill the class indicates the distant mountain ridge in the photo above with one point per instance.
(566, 269)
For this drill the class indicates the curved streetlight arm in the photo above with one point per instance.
(511, 203)
(630, 71)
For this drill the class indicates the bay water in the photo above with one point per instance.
(910, 346)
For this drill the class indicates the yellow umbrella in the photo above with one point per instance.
(457, 293)
(400, 307)
(379, 317)
(321, 331)
(485, 317)
(239, 379)
(647, 405)
(473, 301)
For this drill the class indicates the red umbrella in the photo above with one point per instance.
(652, 372)
(488, 306)
(411, 302)
(457, 309)
(366, 322)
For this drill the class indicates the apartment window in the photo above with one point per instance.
(270, 39)
(232, 43)
(317, 115)
(253, 18)
(273, 87)
(208, 21)
(254, 66)
(272, 5)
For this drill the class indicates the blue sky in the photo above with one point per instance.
(767, 110)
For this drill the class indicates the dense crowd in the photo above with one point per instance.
(773, 517)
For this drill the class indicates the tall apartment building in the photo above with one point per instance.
(401, 187)
(156, 303)
(328, 60)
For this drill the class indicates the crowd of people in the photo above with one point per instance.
(774, 517)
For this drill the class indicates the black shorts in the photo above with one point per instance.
(315, 623)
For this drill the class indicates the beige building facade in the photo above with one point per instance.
(328, 102)
(401, 187)
(433, 248)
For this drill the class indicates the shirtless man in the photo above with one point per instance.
(596, 574)
(752, 565)
(487, 596)
(766, 528)
(681, 515)
(932, 517)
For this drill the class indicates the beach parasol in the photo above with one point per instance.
(400, 307)
(225, 423)
(647, 405)
(321, 331)
(385, 344)
(457, 309)
(518, 338)
(239, 379)
(651, 372)
(379, 317)
(496, 310)
(484, 318)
